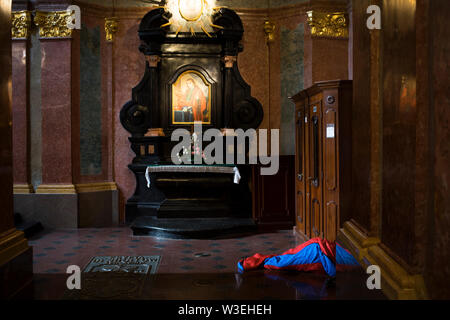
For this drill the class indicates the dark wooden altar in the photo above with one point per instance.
(187, 204)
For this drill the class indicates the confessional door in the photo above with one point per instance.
(301, 221)
(309, 217)
(314, 173)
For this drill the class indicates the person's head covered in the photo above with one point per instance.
(190, 83)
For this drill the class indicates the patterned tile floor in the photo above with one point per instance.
(55, 250)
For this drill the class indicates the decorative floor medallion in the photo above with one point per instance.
(126, 264)
(115, 277)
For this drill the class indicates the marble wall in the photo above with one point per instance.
(128, 65)
(70, 129)
(254, 62)
(90, 102)
(95, 139)
(291, 83)
(6, 155)
(35, 110)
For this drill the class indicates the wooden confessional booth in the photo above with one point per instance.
(189, 76)
(323, 158)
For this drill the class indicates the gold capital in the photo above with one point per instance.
(56, 189)
(269, 30)
(111, 27)
(326, 24)
(229, 61)
(53, 24)
(20, 24)
(153, 61)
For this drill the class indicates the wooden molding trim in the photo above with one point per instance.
(23, 189)
(12, 244)
(362, 238)
(355, 240)
(396, 282)
(56, 189)
(96, 187)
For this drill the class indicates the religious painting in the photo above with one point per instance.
(191, 99)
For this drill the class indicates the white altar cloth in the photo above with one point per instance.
(193, 168)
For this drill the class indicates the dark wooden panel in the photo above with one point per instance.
(316, 212)
(274, 196)
(300, 168)
(300, 211)
(16, 276)
(361, 147)
(330, 226)
(399, 131)
(315, 176)
(439, 13)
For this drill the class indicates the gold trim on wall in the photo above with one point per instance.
(20, 24)
(111, 27)
(53, 24)
(328, 24)
(95, 187)
(23, 189)
(74, 189)
(56, 189)
(396, 282)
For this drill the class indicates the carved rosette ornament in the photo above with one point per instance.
(111, 27)
(20, 24)
(53, 24)
(331, 25)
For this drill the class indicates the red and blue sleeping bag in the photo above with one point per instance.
(315, 255)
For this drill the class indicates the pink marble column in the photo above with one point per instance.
(108, 71)
(56, 91)
(128, 64)
(6, 174)
(20, 117)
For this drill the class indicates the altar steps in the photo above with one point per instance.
(194, 228)
(199, 208)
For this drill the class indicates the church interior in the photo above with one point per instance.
(346, 100)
